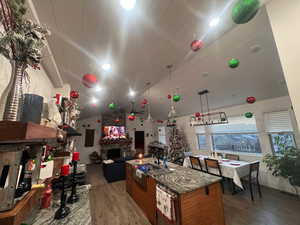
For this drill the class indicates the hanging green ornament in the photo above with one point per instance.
(244, 10)
(234, 63)
(176, 98)
(112, 105)
(248, 115)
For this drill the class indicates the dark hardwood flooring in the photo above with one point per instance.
(111, 205)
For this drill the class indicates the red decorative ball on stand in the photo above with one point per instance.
(74, 94)
(196, 45)
(251, 100)
(197, 114)
(89, 80)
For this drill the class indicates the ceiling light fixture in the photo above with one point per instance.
(106, 66)
(131, 93)
(214, 22)
(94, 101)
(128, 4)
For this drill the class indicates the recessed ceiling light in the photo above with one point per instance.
(128, 4)
(131, 93)
(98, 88)
(214, 22)
(94, 101)
(106, 66)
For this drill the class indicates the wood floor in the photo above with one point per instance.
(111, 205)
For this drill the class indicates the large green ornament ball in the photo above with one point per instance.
(112, 105)
(245, 10)
(248, 115)
(176, 98)
(234, 63)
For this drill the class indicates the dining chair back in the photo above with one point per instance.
(232, 157)
(214, 164)
(196, 164)
(253, 178)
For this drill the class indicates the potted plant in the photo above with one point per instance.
(21, 42)
(285, 163)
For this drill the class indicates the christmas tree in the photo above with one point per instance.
(177, 145)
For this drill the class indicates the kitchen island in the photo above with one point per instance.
(197, 195)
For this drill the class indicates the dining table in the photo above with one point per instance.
(231, 169)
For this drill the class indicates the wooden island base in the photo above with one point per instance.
(203, 206)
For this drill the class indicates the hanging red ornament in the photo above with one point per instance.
(251, 100)
(98, 121)
(89, 80)
(197, 114)
(74, 94)
(131, 117)
(145, 102)
(169, 96)
(196, 45)
(117, 120)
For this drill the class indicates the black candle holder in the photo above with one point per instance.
(74, 197)
(63, 210)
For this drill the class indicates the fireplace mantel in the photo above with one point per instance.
(123, 144)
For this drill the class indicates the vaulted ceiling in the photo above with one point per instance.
(140, 43)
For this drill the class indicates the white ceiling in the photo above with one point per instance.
(140, 43)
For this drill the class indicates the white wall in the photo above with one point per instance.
(79, 143)
(149, 128)
(284, 20)
(259, 108)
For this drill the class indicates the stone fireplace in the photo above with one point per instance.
(117, 148)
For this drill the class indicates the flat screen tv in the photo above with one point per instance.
(114, 132)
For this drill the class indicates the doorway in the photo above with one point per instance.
(139, 141)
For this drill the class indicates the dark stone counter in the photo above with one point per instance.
(177, 178)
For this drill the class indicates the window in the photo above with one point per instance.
(239, 135)
(162, 135)
(279, 127)
(202, 137)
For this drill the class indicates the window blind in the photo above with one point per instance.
(237, 124)
(278, 122)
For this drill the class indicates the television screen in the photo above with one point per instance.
(114, 132)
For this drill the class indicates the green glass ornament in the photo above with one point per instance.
(248, 115)
(244, 11)
(234, 63)
(132, 114)
(112, 105)
(176, 98)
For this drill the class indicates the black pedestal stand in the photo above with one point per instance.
(63, 210)
(74, 197)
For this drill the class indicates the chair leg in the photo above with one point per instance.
(251, 190)
(222, 185)
(232, 186)
(259, 190)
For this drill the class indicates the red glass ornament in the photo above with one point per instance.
(64, 170)
(145, 102)
(169, 96)
(89, 80)
(58, 98)
(251, 100)
(196, 45)
(75, 156)
(197, 114)
(117, 120)
(131, 117)
(74, 94)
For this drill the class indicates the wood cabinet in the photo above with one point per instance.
(203, 206)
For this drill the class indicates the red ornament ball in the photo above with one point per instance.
(89, 80)
(197, 114)
(145, 102)
(169, 96)
(196, 45)
(131, 117)
(117, 120)
(74, 94)
(251, 100)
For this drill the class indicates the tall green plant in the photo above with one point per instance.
(286, 163)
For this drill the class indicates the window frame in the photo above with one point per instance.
(236, 133)
(279, 133)
(206, 140)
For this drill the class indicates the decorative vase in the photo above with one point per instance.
(12, 97)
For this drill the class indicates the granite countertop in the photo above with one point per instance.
(177, 178)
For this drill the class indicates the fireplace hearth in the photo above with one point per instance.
(114, 153)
